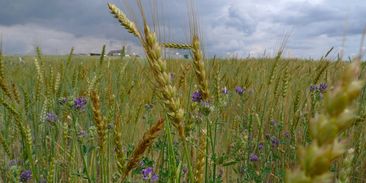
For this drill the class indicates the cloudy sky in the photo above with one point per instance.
(228, 27)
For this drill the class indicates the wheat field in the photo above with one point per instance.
(154, 119)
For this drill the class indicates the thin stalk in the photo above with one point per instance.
(207, 149)
(171, 156)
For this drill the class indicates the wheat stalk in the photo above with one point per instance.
(143, 145)
(118, 143)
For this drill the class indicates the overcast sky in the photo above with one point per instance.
(228, 27)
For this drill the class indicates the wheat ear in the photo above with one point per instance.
(168, 92)
(181, 46)
(145, 143)
(125, 22)
(98, 118)
(337, 117)
(201, 157)
(199, 67)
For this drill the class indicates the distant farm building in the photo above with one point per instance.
(115, 53)
(94, 54)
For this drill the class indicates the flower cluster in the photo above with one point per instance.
(51, 117)
(253, 157)
(239, 90)
(78, 103)
(321, 88)
(25, 176)
(148, 174)
(196, 96)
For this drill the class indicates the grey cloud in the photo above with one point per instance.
(228, 26)
(18, 41)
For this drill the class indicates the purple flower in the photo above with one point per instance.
(287, 134)
(225, 91)
(79, 103)
(275, 141)
(313, 88)
(323, 87)
(154, 178)
(196, 96)
(205, 104)
(185, 170)
(51, 117)
(149, 174)
(13, 162)
(239, 90)
(274, 122)
(25, 176)
(253, 157)
(260, 146)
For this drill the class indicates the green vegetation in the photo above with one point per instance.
(251, 136)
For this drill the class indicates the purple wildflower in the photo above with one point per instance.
(274, 122)
(287, 134)
(51, 117)
(149, 174)
(225, 91)
(185, 170)
(25, 176)
(79, 103)
(275, 141)
(323, 87)
(154, 178)
(205, 104)
(313, 88)
(260, 146)
(239, 90)
(253, 157)
(13, 162)
(196, 96)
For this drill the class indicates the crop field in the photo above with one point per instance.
(154, 119)
(82, 120)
